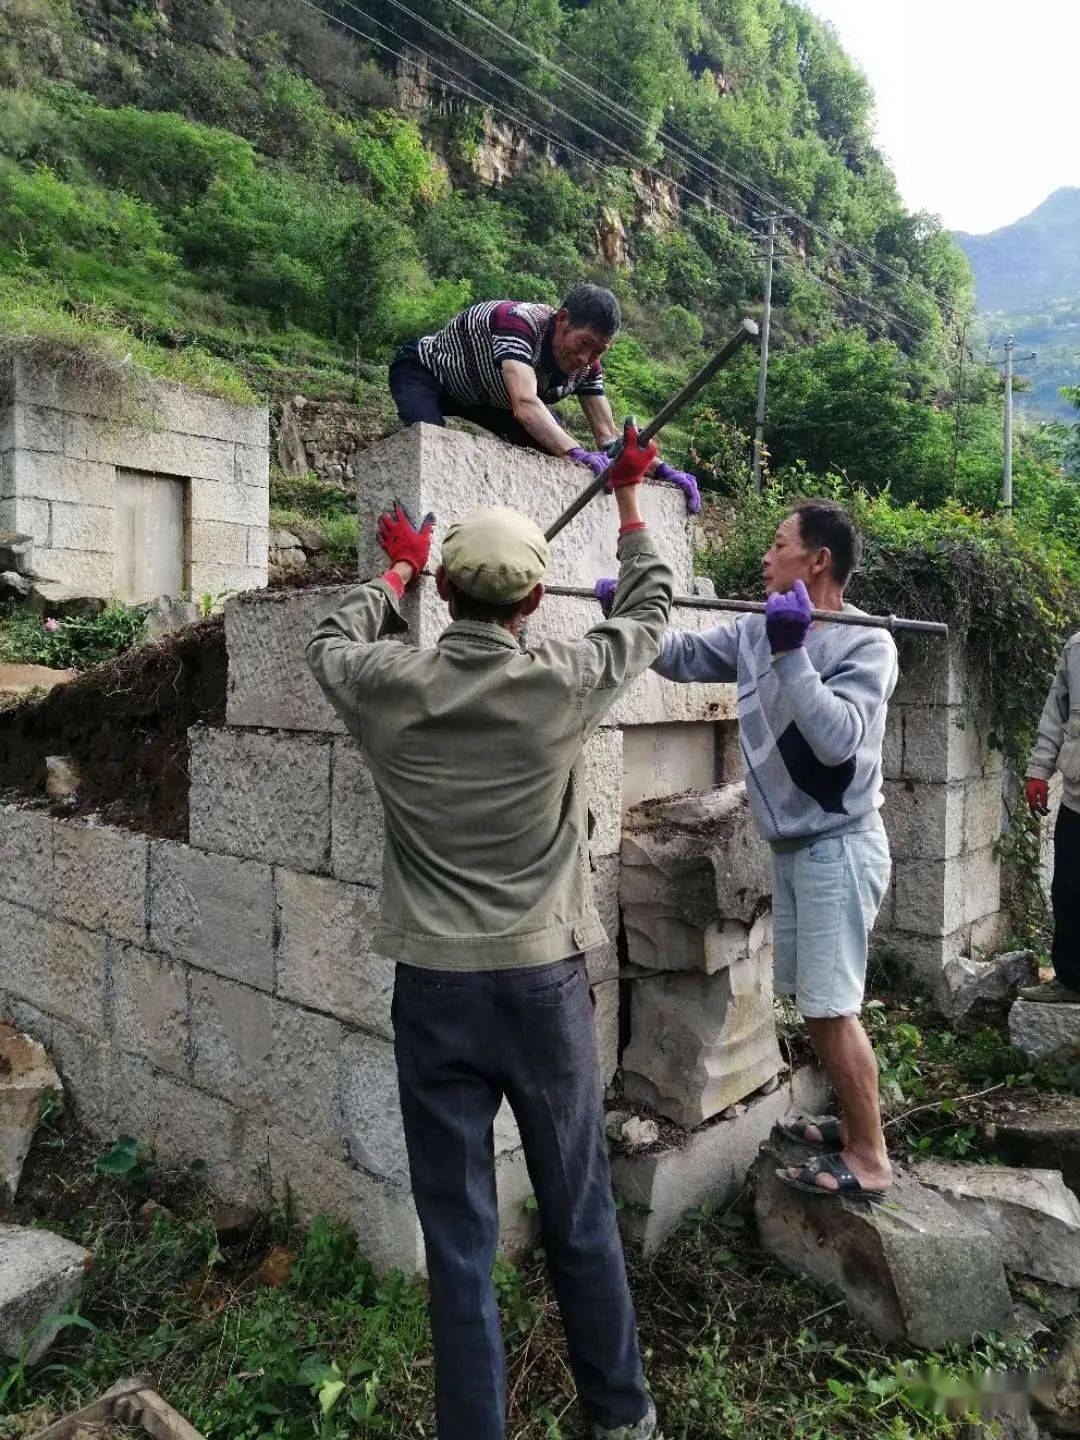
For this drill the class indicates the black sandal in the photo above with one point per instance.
(847, 1184)
(829, 1125)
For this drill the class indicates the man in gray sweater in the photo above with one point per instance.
(812, 704)
(1057, 747)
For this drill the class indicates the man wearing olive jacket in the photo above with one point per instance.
(1057, 747)
(475, 747)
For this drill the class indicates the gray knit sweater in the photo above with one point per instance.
(811, 722)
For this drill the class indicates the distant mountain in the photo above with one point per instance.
(1027, 283)
(1031, 262)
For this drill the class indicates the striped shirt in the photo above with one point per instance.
(467, 356)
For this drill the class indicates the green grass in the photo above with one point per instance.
(71, 644)
(733, 1344)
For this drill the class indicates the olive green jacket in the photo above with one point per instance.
(475, 747)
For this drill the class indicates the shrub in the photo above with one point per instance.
(72, 644)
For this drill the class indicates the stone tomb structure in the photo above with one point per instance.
(220, 998)
(133, 490)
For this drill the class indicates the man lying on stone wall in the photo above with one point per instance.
(475, 747)
(1057, 747)
(812, 704)
(501, 364)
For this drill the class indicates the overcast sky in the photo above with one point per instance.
(977, 104)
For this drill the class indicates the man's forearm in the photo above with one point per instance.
(626, 498)
(543, 427)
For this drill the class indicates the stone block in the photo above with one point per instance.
(603, 962)
(924, 822)
(325, 960)
(687, 866)
(229, 503)
(662, 760)
(258, 545)
(315, 1183)
(519, 1226)
(371, 1111)
(1045, 1033)
(223, 581)
(699, 1043)
(89, 1068)
(99, 878)
(921, 957)
(892, 748)
(988, 934)
(214, 542)
(41, 1275)
(269, 681)
(606, 1018)
(270, 684)
(37, 427)
(431, 468)
(603, 759)
(26, 1077)
(88, 572)
(214, 911)
(1041, 1129)
(36, 383)
(67, 481)
(983, 813)
(911, 1269)
(190, 1126)
(31, 517)
(932, 672)
(945, 743)
(356, 818)
(25, 856)
(709, 1165)
(1032, 1214)
(936, 897)
(170, 406)
(974, 993)
(163, 452)
(261, 796)
(56, 967)
(266, 1056)
(252, 465)
(147, 1008)
(81, 527)
(648, 700)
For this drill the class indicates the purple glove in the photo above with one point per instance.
(788, 618)
(685, 481)
(604, 590)
(595, 460)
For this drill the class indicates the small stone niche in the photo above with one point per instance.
(132, 490)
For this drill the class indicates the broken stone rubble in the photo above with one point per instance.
(1046, 1033)
(973, 993)
(26, 1077)
(1031, 1212)
(912, 1268)
(41, 1275)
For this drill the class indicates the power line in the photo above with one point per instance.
(473, 92)
(665, 133)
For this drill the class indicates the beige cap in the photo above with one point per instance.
(495, 554)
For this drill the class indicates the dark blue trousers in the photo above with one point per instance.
(463, 1041)
(419, 397)
(1065, 955)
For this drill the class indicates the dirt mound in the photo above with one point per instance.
(126, 723)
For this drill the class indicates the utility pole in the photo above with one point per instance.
(763, 363)
(1006, 474)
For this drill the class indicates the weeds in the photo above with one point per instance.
(72, 644)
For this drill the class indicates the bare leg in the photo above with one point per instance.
(845, 1051)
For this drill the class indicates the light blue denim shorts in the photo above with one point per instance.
(826, 896)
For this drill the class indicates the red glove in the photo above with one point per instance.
(632, 462)
(400, 538)
(1038, 797)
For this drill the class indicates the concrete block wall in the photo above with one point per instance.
(943, 814)
(227, 1009)
(62, 440)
